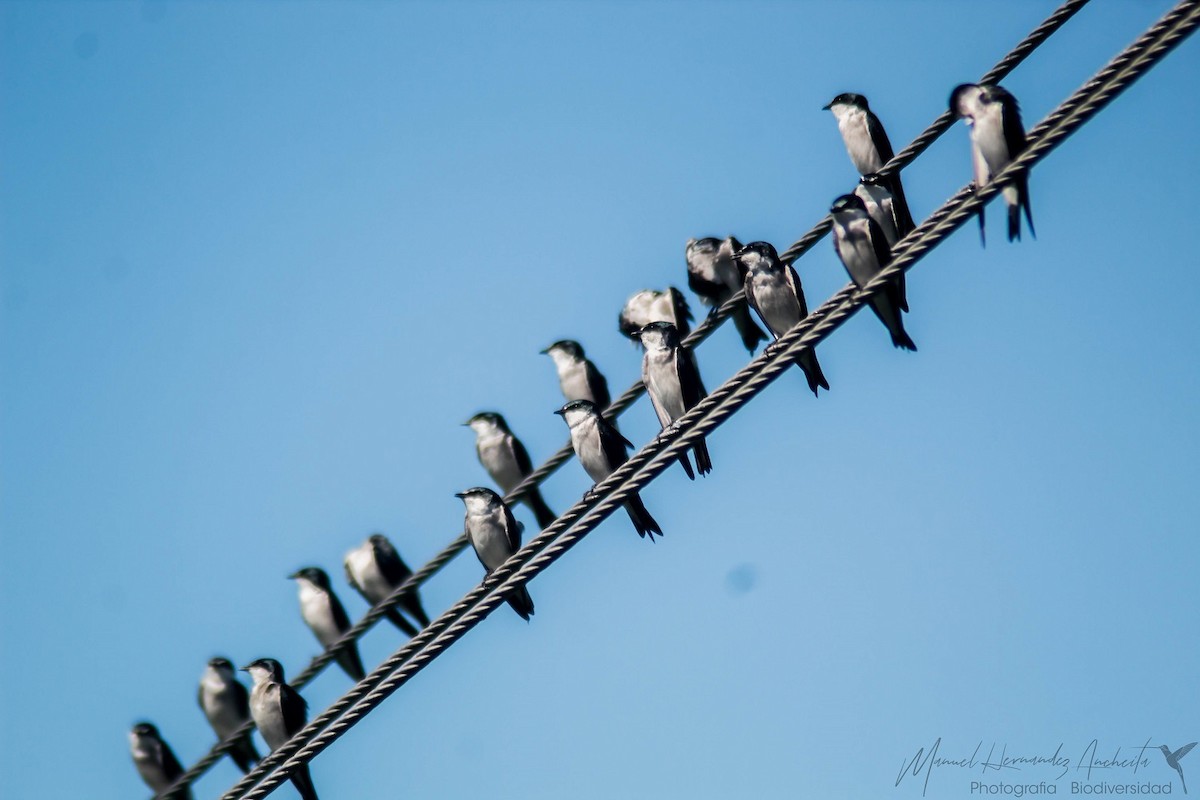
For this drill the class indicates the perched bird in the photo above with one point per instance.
(601, 449)
(279, 712)
(577, 376)
(226, 705)
(507, 460)
(650, 306)
(715, 276)
(375, 569)
(324, 614)
(869, 149)
(997, 137)
(773, 290)
(495, 535)
(673, 383)
(154, 760)
(1173, 760)
(864, 251)
(880, 206)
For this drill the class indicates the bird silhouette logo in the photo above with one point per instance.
(1173, 760)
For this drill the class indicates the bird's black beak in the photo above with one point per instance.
(561, 411)
(460, 495)
(545, 352)
(293, 576)
(467, 424)
(827, 106)
(244, 669)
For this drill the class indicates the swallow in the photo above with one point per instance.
(507, 461)
(601, 450)
(154, 760)
(495, 535)
(773, 290)
(577, 376)
(880, 207)
(226, 705)
(867, 143)
(864, 252)
(1173, 760)
(375, 569)
(673, 383)
(715, 276)
(649, 306)
(279, 712)
(997, 137)
(325, 616)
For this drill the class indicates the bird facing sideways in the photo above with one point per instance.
(280, 713)
(578, 377)
(601, 449)
(507, 461)
(326, 617)
(673, 382)
(154, 759)
(375, 570)
(495, 535)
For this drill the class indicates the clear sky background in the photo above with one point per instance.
(259, 261)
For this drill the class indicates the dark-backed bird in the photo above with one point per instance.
(326, 618)
(507, 461)
(577, 375)
(997, 137)
(773, 290)
(715, 276)
(864, 252)
(867, 143)
(495, 534)
(601, 449)
(673, 382)
(226, 706)
(154, 760)
(279, 712)
(375, 569)
(649, 306)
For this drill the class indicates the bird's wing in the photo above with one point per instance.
(241, 699)
(295, 710)
(391, 566)
(689, 378)
(1014, 131)
(683, 314)
(171, 766)
(702, 286)
(664, 418)
(883, 253)
(1183, 751)
(879, 137)
(599, 385)
(522, 457)
(751, 300)
(512, 530)
(340, 619)
(797, 289)
(613, 445)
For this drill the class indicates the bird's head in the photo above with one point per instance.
(222, 666)
(757, 257)
(265, 669)
(143, 730)
(479, 500)
(577, 411)
(965, 100)
(314, 575)
(846, 102)
(486, 422)
(659, 336)
(565, 351)
(848, 207)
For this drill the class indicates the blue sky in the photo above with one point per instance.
(258, 261)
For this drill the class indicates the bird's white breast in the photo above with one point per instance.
(498, 458)
(573, 380)
(267, 710)
(317, 611)
(585, 438)
(856, 135)
(662, 381)
(778, 304)
(218, 705)
(367, 575)
(854, 246)
(488, 537)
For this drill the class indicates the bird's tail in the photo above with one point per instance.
(400, 622)
(244, 754)
(351, 663)
(900, 212)
(541, 511)
(750, 332)
(703, 462)
(521, 602)
(1023, 202)
(302, 780)
(412, 604)
(807, 361)
(642, 521)
(982, 229)
(687, 466)
(902, 292)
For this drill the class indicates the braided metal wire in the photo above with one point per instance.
(659, 454)
(702, 331)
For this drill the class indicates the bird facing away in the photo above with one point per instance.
(864, 252)
(495, 534)
(375, 569)
(673, 383)
(997, 137)
(601, 449)
(773, 290)
(226, 705)
(154, 760)
(279, 712)
(715, 276)
(867, 143)
(326, 618)
(507, 461)
(649, 306)
(577, 375)
(1173, 760)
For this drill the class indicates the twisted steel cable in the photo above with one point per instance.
(702, 331)
(659, 454)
